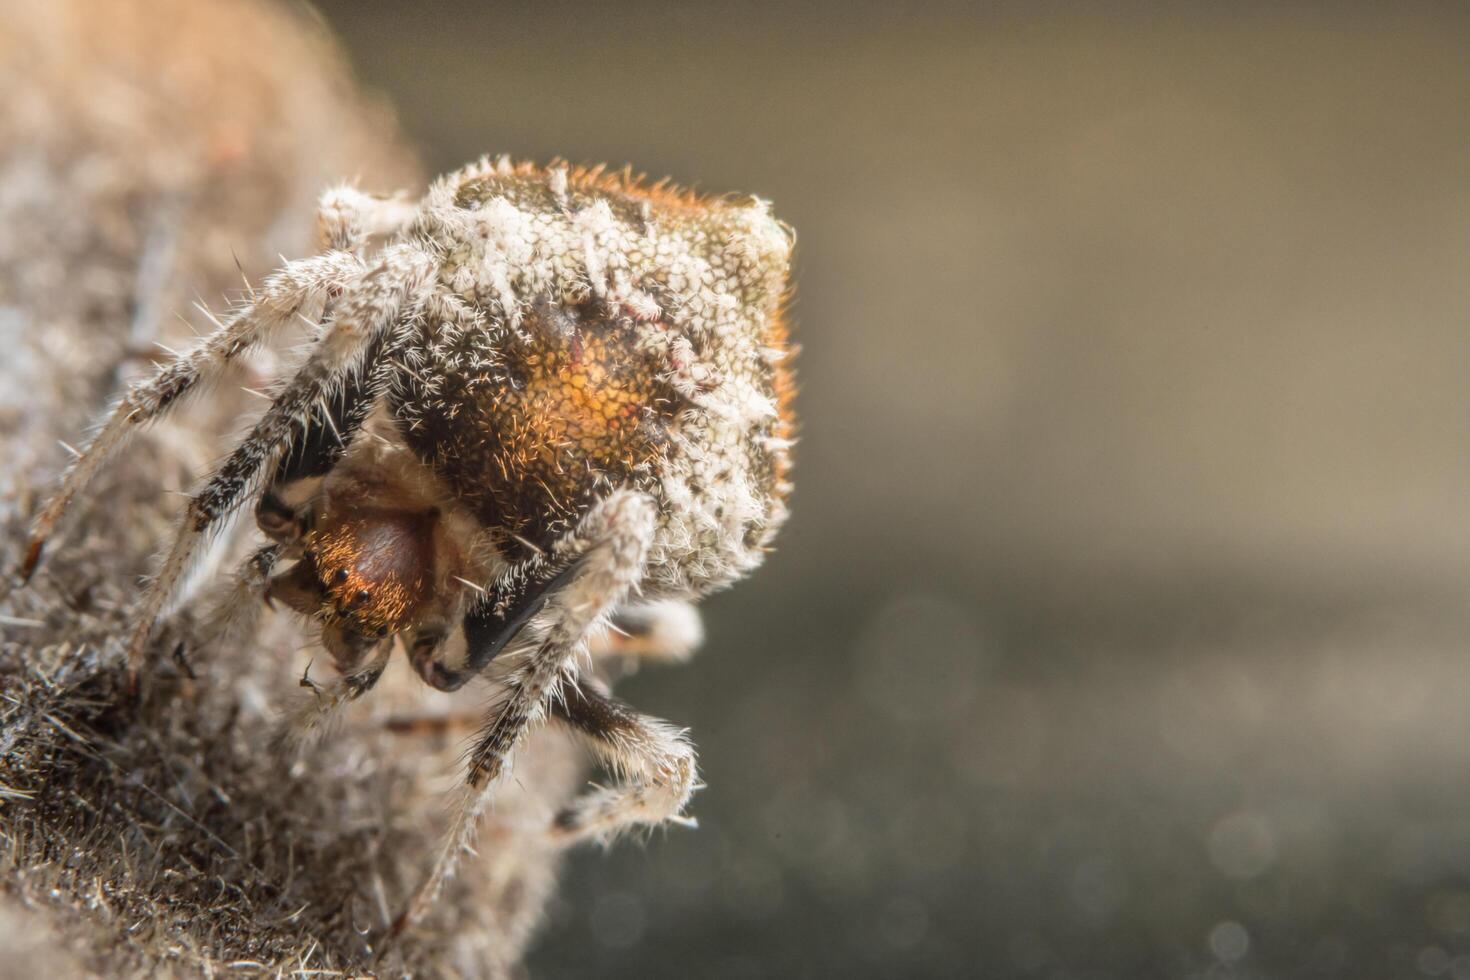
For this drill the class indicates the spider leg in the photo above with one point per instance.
(654, 759)
(511, 603)
(235, 608)
(607, 550)
(297, 287)
(667, 630)
(348, 218)
(367, 312)
(321, 439)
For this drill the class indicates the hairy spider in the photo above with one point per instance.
(578, 410)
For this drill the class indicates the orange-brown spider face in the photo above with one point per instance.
(366, 575)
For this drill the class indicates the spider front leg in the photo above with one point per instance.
(284, 510)
(234, 610)
(664, 631)
(322, 438)
(366, 316)
(654, 759)
(298, 289)
(603, 561)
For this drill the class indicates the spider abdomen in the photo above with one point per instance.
(528, 426)
(594, 334)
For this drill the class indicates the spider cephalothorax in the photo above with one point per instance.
(579, 413)
(364, 575)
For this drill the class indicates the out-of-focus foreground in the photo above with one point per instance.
(1120, 629)
(152, 152)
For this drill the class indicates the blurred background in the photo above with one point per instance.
(1121, 629)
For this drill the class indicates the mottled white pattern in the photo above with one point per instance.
(706, 279)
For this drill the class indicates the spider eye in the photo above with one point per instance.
(339, 576)
(363, 595)
(382, 632)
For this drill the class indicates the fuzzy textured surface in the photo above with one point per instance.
(620, 336)
(145, 153)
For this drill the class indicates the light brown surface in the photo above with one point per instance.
(145, 148)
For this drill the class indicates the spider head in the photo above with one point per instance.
(366, 574)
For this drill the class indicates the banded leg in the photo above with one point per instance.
(367, 312)
(316, 448)
(298, 289)
(607, 549)
(653, 758)
(666, 631)
(320, 441)
(512, 603)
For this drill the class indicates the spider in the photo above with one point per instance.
(539, 401)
